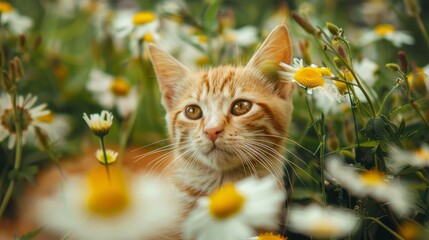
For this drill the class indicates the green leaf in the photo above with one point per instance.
(210, 19)
(31, 234)
(28, 173)
(375, 129)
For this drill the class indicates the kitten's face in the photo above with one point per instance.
(228, 117)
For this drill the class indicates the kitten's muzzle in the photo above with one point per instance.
(213, 133)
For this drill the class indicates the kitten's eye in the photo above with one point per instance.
(241, 107)
(193, 112)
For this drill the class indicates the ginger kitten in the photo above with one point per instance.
(228, 122)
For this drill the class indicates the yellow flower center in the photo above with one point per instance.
(373, 178)
(325, 71)
(323, 230)
(201, 61)
(342, 86)
(110, 155)
(107, 197)
(309, 77)
(5, 7)
(202, 39)
(423, 154)
(271, 236)
(120, 87)
(48, 118)
(148, 37)
(417, 80)
(141, 18)
(226, 202)
(409, 230)
(384, 29)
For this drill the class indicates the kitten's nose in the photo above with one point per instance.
(213, 133)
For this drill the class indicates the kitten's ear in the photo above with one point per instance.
(276, 48)
(169, 72)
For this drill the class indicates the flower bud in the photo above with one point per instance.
(333, 142)
(303, 46)
(412, 8)
(303, 23)
(19, 68)
(37, 42)
(338, 63)
(7, 83)
(393, 66)
(348, 132)
(403, 62)
(22, 42)
(333, 29)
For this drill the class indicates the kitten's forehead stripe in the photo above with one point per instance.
(227, 79)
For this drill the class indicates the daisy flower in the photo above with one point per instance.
(99, 123)
(312, 78)
(243, 37)
(399, 159)
(322, 222)
(234, 210)
(372, 183)
(268, 236)
(56, 126)
(114, 206)
(387, 32)
(61, 8)
(30, 117)
(112, 92)
(16, 22)
(366, 69)
(110, 154)
(419, 79)
(137, 26)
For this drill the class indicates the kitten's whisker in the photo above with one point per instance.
(281, 137)
(282, 159)
(151, 144)
(245, 163)
(160, 149)
(285, 160)
(264, 161)
(284, 148)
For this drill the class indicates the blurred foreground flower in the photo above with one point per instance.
(113, 92)
(110, 156)
(312, 78)
(234, 210)
(322, 222)
(16, 22)
(387, 32)
(120, 207)
(29, 117)
(268, 236)
(402, 158)
(371, 183)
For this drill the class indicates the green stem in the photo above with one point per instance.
(322, 151)
(352, 104)
(385, 227)
(106, 164)
(18, 157)
(422, 28)
(386, 97)
(349, 67)
(411, 100)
